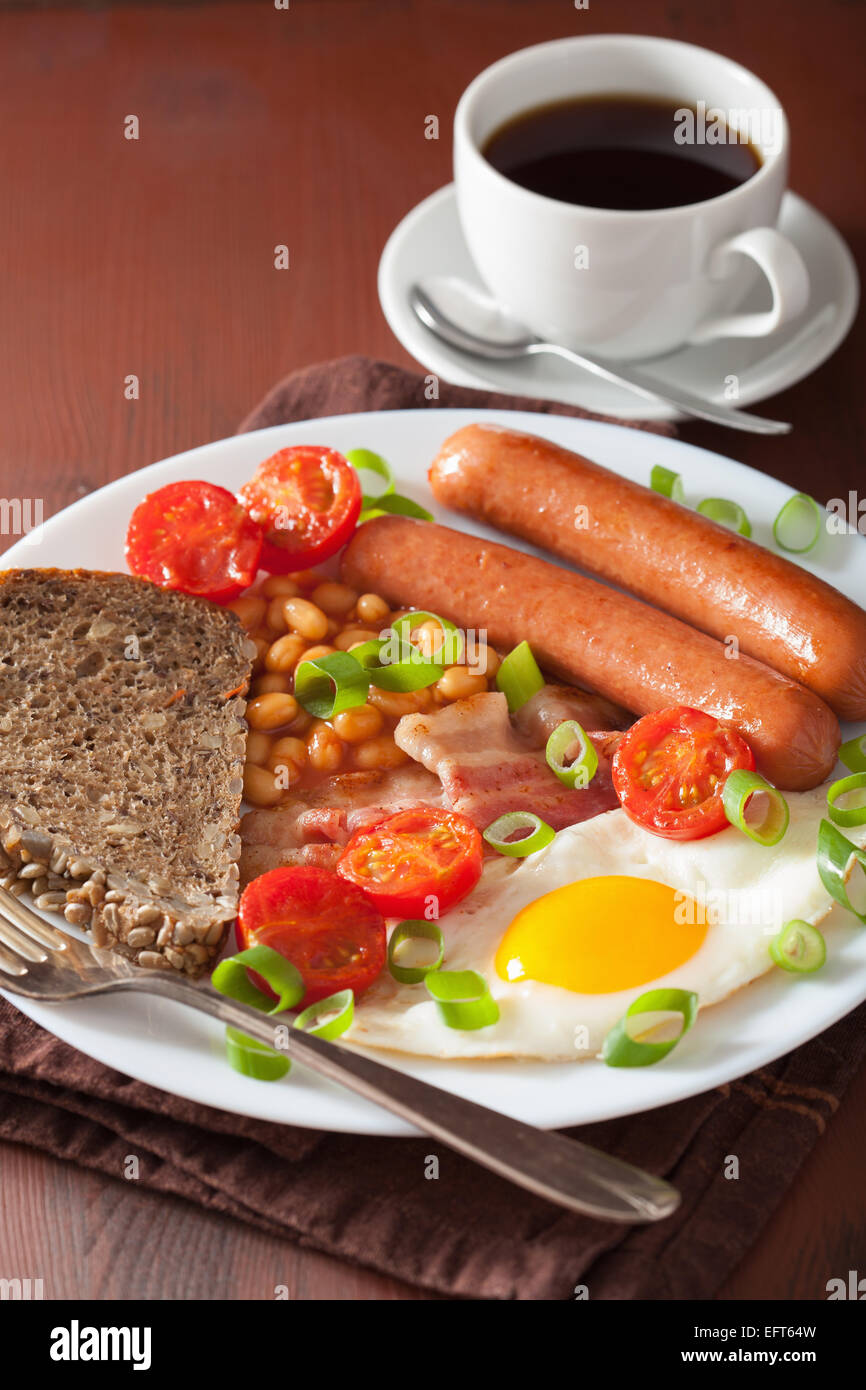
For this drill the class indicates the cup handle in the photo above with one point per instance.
(784, 268)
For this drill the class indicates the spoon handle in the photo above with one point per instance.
(648, 386)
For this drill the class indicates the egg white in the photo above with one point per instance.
(749, 892)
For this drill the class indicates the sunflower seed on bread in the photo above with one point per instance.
(121, 758)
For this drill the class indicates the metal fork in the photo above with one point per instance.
(40, 961)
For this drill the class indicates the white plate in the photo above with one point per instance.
(429, 242)
(180, 1051)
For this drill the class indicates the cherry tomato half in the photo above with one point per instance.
(195, 537)
(415, 856)
(323, 925)
(670, 768)
(307, 500)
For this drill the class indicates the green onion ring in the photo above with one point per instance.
(620, 1049)
(519, 677)
(463, 998)
(341, 1004)
(798, 525)
(415, 929)
(668, 483)
(498, 831)
(581, 770)
(231, 978)
(365, 459)
(453, 646)
(726, 513)
(740, 786)
(412, 672)
(835, 853)
(393, 504)
(252, 1058)
(799, 947)
(850, 815)
(330, 684)
(853, 753)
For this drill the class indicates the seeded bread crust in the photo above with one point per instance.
(122, 740)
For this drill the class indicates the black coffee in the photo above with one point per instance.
(622, 152)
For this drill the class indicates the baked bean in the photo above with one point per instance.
(262, 644)
(283, 655)
(483, 660)
(459, 682)
(333, 598)
(258, 747)
(280, 586)
(272, 711)
(301, 723)
(353, 637)
(250, 609)
(372, 609)
(304, 617)
(334, 626)
(306, 579)
(287, 760)
(381, 752)
(324, 748)
(273, 681)
(394, 704)
(260, 786)
(356, 724)
(313, 653)
(429, 638)
(275, 618)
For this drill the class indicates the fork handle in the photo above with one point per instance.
(564, 1171)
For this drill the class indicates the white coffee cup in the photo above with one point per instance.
(628, 284)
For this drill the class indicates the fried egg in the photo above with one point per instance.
(570, 936)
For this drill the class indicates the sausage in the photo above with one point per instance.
(586, 633)
(665, 553)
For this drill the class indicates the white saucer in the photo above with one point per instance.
(429, 241)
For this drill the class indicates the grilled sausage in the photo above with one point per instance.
(692, 567)
(584, 632)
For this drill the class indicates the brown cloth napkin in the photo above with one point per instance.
(465, 1233)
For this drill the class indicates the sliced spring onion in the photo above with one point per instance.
(622, 1049)
(330, 684)
(414, 930)
(537, 833)
(365, 461)
(740, 786)
(835, 867)
(336, 1014)
(853, 753)
(847, 815)
(519, 677)
(798, 525)
(799, 947)
(571, 755)
(726, 513)
(451, 651)
(411, 671)
(231, 978)
(252, 1058)
(393, 504)
(463, 998)
(668, 483)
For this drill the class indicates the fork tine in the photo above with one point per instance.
(10, 964)
(17, 914)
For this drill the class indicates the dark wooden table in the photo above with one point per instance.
(155, 258)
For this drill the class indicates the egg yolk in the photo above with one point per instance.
(602, 934)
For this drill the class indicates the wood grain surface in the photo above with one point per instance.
(155, 258)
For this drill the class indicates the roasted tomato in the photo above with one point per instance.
(669, 770)
(326, 927)
(307, 500)
(194, 537)
(415, 861)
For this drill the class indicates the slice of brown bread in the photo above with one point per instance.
(121, 757)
